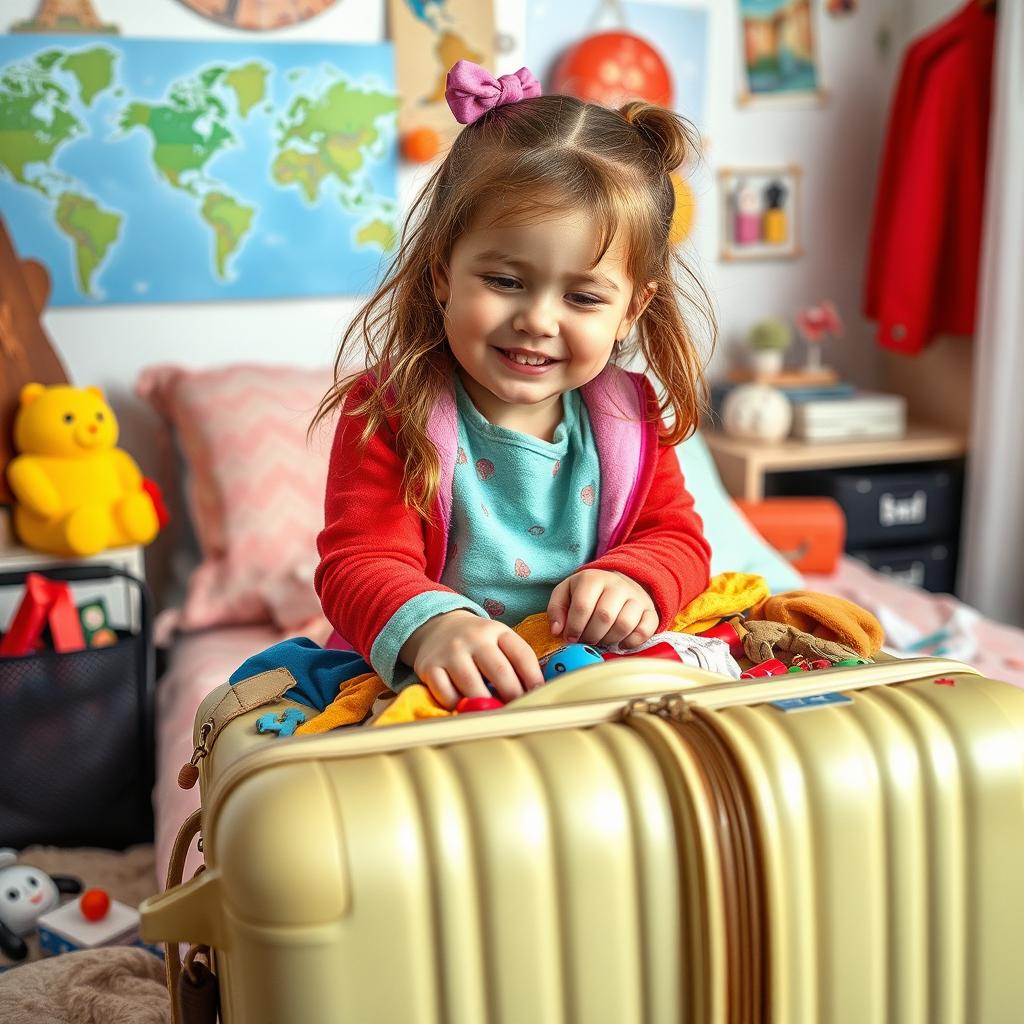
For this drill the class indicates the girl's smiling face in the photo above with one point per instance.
(527, 316)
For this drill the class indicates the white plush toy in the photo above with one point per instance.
(25, 893)
(757, 412)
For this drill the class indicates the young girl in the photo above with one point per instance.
(493, 461)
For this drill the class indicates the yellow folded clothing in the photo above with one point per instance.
(413, 703)
(728, 593)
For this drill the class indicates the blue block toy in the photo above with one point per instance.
(284, 724)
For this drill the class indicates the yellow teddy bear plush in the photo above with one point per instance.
(76, 493)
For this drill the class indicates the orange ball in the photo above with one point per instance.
(94, 904)
(421, 145)
(612, 68)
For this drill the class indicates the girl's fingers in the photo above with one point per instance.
(496, 668)
(606, 611)
(466, 677)
(523, 660)
(584, 594)
(628, 620)
(558, 607)
(440, 686)
(644, 631)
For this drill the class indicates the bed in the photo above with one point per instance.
(254, 491)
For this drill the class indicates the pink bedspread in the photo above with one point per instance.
(200, 662)
(203, 661)
(908, 613)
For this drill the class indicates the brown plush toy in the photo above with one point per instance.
(763, 640)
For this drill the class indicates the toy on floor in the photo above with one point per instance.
(89, 922)
(76, 493)
(26, 893)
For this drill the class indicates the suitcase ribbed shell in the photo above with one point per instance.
(600, 856)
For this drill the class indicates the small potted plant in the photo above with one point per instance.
(768, 342)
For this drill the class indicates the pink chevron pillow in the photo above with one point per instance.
(255, 487)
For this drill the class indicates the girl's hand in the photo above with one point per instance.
(598, 607)
(453, 654)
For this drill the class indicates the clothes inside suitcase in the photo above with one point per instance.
(640, 842)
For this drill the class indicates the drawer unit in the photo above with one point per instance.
(930, 566)
(887, 506)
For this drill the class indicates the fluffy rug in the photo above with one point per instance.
(114, 985)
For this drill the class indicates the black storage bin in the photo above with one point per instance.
(931, 566)
(888, 506)
(77, 767)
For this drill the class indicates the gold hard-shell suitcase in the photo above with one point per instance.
(639, 842)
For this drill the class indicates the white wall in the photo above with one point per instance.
(837, 145)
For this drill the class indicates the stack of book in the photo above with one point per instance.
(830, 411)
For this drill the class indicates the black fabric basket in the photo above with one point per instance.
(77, 734)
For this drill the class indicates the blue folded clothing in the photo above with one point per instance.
(319, 671)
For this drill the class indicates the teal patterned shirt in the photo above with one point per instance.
(524, 517)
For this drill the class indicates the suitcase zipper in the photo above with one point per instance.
(188, 775)
(743, 888)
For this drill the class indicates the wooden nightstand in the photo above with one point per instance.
(743, 465)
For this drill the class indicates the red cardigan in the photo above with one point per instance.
(926, 233)
(376, 553)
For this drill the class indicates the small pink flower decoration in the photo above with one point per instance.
(493, 608)
(484, 469)
(587, 495)
(814, 324)
(522, 569)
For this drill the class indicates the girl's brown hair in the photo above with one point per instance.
(543, 154)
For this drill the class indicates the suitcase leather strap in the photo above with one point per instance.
(194, 991)
(239, 698)
(183, 1008)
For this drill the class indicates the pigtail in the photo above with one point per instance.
(670, 139)
(664, 337)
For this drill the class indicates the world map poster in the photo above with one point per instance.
(162, 171)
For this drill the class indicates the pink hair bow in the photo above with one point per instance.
(472, 90)
(814, 322)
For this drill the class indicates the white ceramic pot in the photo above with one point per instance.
(766, 362)
(757, 412)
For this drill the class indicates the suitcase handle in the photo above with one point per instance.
(625, 679)
(177, 914)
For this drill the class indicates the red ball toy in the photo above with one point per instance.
(94, 904)
(612, 68)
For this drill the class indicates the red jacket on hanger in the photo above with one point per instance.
(926, 230)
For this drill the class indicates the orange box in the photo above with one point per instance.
(807, 532)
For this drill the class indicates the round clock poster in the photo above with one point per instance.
(258, 15)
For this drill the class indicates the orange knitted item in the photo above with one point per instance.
(824, 616)
(353, 703)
